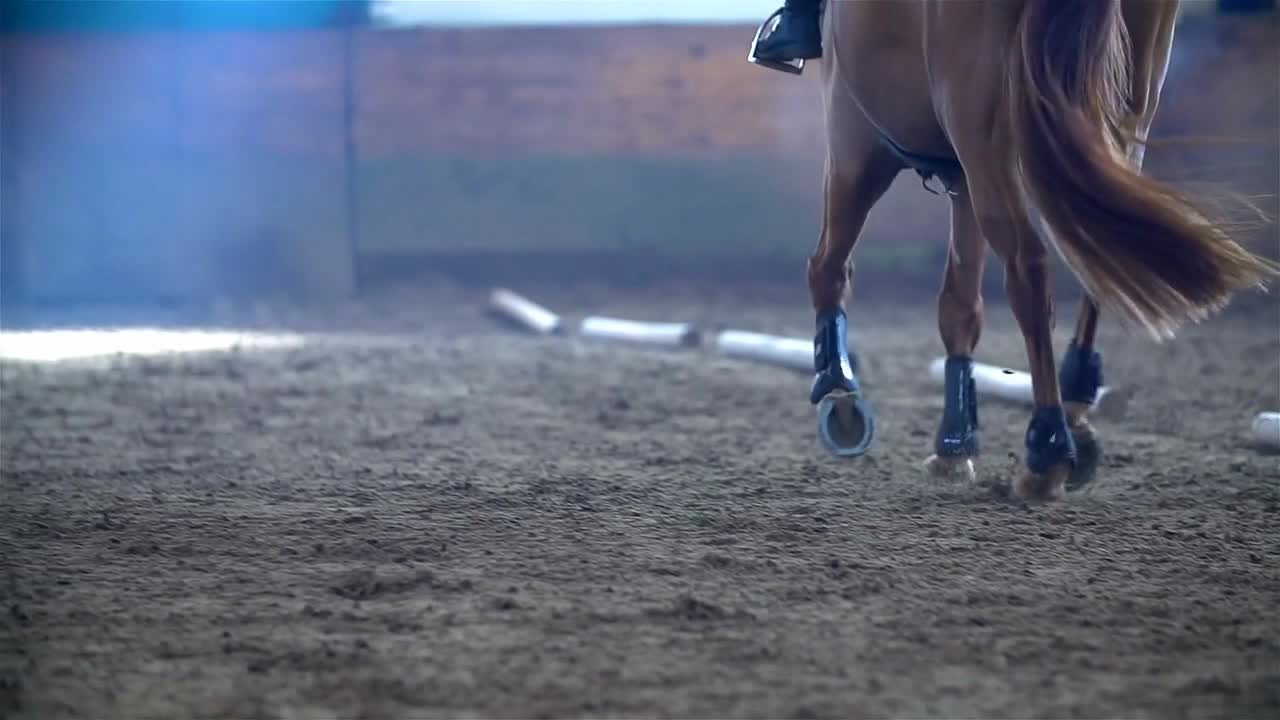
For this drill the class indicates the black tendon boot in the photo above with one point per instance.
(958, 432)
(834, 366)
(1080, 376)
(1080, 380)
(1049, 441)
(846, 421)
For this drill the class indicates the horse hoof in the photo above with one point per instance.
(953, 469)
(846, 424)
(1044, 487)
(1088, 452)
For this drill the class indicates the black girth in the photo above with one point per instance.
(946, 169)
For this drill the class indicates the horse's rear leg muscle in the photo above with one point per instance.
(859, 170)
(1051, 450)
(1151, 31)
(960, 310)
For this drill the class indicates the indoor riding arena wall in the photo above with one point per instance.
(143, 165)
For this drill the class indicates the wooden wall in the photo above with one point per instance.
(174, 166)
(190, 164)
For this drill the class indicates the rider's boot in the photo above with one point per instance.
(798, 35)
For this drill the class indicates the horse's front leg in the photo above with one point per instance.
(858, 172)
(960, 310)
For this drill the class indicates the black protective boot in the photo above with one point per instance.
(798, 35)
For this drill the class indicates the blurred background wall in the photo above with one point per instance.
(180, 150)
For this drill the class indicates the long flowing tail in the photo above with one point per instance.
(1140, 248)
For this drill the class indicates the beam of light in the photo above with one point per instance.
(56, 345)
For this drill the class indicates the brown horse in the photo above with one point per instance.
(1034, 115)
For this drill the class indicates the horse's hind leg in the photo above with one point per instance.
(960, 325)
(1080, 378)
(1151, 31)
(1004, 222)
(858, 172)
(1051, 449)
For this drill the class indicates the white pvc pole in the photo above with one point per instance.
(646, 333)
(525, 312)
(796, 353)
(1004, 383)
(1012, 385)
(1266, 429)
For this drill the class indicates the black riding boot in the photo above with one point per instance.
(798, 35)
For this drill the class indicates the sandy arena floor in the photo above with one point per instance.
(459, 520)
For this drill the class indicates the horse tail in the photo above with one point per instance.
(1140, 248)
